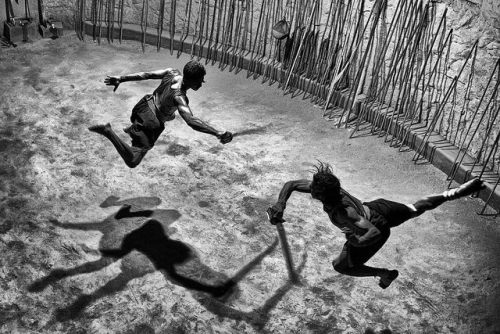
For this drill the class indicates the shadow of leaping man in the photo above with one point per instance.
(123, 240)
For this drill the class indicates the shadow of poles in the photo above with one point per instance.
(258, 317)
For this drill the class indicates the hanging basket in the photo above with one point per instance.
(281, 29)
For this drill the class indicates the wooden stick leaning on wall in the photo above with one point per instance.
(422, 74)
(443, 103)
(396, 59)
(238, 38)
(258, 68)
(108, 20)
(380, 62)
(463, 148)
(205, 12)
(465, 105)
(340, 61)
(363, 71)
(210, 39)
(222, 31)
(205, 34)
(173, 11)
(437, 115)
(144, 23)
(403, 105)
(290, 71)
(490, 124)
(81, 18)
(93, 17)
(322, 55)
(215, 46)
(76, 18)
(101, 5)
(329, 47)
(253, 54)
(228, 36)
(159, 28)
(353, 71)
(185, 27)
(196, 31)
(276, 56)
(405, 73)
(246, 36)
(363, 68)
(113, 8)
(120, 21)
(269, 64)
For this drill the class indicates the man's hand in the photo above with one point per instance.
(112, 81)
(275, 214)
(346, 231)
(226, 137)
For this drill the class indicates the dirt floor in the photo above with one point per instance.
(65, 194)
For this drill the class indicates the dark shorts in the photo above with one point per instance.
(384, 215)
(388, 213)
(145, 128)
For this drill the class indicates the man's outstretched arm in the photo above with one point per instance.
(117, 80)
(197, 124)
(276, 211)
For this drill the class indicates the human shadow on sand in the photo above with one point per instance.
(179, 262)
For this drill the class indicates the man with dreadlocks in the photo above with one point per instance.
(366, 225)
(153, 110)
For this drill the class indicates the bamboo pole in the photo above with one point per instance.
(161, 13)
(196, 39)
(210, 39)
(173, 12)
(290, 71)
(101, 5)
(121, 20)
(185, 27)
(463, 149)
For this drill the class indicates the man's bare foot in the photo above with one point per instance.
(102, 129)
(387, 279)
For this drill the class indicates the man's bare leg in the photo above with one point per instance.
(433, 201)
(131, 155)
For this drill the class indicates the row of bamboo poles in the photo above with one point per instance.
(393, 60)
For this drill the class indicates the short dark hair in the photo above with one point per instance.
(193, 70)
(325, 184)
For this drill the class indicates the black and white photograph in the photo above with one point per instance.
(250, 166)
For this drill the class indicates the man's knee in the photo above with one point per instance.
(340, 265)
(136, 158)
(133, 163)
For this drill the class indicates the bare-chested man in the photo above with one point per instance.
(152, 111)
(366, 225)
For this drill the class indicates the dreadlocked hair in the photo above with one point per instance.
(193, 70)
(325, 183)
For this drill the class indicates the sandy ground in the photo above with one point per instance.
(64, 195)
